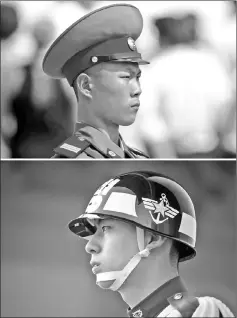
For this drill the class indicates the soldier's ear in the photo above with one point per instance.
(84, 84)
(150, 237)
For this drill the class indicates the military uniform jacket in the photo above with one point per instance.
(173, 300)
(89, 142)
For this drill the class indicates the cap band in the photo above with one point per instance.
(115, 49)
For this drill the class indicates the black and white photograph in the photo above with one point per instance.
(85, 86)
(125, 79)
(118, 239)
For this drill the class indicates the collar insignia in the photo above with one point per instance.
(137, 313)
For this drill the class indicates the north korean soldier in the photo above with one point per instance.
(154, 217)
(98, 57)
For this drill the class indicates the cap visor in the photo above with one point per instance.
(133, 60)
(81, 227)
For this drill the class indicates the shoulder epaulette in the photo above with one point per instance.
(101, 143)
(185, 303)
(56, 156)
(72, 147)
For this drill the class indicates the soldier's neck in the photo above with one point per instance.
(109, 129)
(141, 284)
(113, 135)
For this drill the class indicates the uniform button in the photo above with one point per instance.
(94, 59)
(178, 296)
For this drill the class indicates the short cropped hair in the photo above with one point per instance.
(174, 254)
(74, 86)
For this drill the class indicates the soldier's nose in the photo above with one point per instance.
(92, 247)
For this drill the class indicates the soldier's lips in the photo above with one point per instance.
(135, 108)
(96, 269)
(137, 105)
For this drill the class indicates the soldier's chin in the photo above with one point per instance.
(105, 285)
(127, 121)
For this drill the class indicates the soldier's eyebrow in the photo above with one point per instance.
(99, 221)
(95, 222)
(136, 72)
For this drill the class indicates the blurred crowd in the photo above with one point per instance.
(188, 104)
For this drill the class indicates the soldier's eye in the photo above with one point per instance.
(126, 76)
(105, 228)
(139, 75)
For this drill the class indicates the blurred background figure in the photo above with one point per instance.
(37, 111)
(187, 114)
(188, 104)
(11, 77)
(229, 47)
(41, 107)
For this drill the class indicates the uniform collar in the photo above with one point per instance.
(125, 148)
(102, 142)
(157, 301)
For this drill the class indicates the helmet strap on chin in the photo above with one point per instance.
(121, 276)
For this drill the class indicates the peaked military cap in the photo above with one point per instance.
(106, 34)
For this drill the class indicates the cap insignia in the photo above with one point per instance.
(131, 44)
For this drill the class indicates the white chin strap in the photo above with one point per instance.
(119, 277)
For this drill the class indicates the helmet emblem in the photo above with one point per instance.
(163, 209)
(97, 198)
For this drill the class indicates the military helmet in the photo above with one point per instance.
(150, 201)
